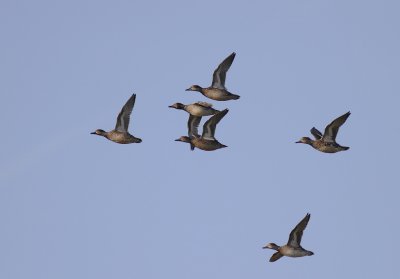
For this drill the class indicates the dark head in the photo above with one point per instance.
(271, 246)
(184, 139)
(194, 88)
(99, 132)
(177, 106)
(305, 140)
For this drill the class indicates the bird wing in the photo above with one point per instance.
(297, 232)
(276, 256)
(317, 134)
(333, 128)
(220, 73)
(211, 124)
(124, 116)
(193, 125)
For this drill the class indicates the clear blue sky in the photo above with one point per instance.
(73, 205)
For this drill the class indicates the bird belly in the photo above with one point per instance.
(328, 148)
(292, 252)
(199, 111)
(216, 94)
(122, 138)
(206, 145)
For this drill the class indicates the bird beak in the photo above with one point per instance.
(298, 142)
(93, 133)
(178, 140)
(171, 106)
(189, 89)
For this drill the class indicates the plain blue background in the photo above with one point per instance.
(74, 205)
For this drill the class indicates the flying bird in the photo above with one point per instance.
(207, 140)
(196, 111)
(217, 91)
(120, 134)
(292, 248)
(327, 142)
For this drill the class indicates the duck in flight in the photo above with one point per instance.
(217, 91)
(120, 134)
(207, 140)
(327, 142)
(292, 248)
(196, 112)
(198, 109)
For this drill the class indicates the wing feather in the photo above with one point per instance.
(124, 116)
(297, 233)
(333, 128)
(317, 134)
(219, 75)
(211, 124)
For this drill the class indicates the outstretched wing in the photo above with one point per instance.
(211, 124)
(220, 73)
(297, 232)
(193, 125)
(333, 128)
(124, 116)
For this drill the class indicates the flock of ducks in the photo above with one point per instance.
(217, 91)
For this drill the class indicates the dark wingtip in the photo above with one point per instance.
(223, 112)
